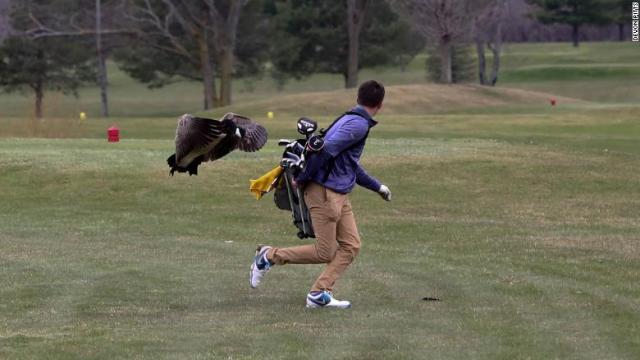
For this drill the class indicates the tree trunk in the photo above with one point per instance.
(496, 49)
(481, 61)
(102, 67)
(207, 71)
(39, 97)
(209, 97)
(225, 33)
(352, 60)
(621, 34)
(496, 64)
(345, 77)
(226, 75)
(103, 83)
(576, 35)
(446, 73)
(355, 17)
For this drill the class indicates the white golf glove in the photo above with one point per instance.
(385, 192)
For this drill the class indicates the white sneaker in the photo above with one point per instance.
(260, 266)
(324, 299)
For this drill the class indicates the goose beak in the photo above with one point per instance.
(238, 133)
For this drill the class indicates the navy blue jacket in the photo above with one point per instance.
(340, 158)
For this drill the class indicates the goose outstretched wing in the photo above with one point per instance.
(255, 135)
(194, 135)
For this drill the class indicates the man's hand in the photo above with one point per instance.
(385, 192)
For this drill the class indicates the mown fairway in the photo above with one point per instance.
(523, 219)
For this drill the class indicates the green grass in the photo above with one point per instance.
(602, 72)
(533, 249)
(521, 217)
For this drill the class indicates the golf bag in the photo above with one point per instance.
(290, 198)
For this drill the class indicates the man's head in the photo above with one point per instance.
(370, 95)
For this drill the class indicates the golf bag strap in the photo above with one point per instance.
(324, 132)
(331, 163)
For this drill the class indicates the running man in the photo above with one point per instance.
(328, 177)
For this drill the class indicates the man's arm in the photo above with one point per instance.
(365, 180)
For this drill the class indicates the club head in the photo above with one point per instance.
(295, 147)
(292, 156)
(292, 162)
(315, 143)
(285, 142)
(307, 126)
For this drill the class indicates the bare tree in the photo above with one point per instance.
(488, 27)
(443, 22)
(157, 24)
(356, 11)
(205, 22)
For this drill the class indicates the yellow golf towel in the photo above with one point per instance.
(265, 183)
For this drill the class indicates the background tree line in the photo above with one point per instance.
(60, 44)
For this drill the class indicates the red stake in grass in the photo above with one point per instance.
(113, 134)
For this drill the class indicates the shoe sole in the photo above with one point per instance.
(326, 307)
(312, 305)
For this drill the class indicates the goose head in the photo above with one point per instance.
(230, 128)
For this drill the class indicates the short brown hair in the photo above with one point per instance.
(370, 94)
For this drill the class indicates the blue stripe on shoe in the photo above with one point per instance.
(261, 259)
(321, 298)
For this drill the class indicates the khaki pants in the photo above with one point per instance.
(337, 240)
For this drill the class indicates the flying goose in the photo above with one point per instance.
(201, 139)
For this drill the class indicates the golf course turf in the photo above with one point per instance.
(521, 218)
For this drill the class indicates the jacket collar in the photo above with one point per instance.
(362, 112)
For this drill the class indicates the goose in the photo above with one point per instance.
(201, 139)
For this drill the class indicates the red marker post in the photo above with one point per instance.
(113, 134)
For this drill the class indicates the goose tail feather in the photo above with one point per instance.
(173, 165)
(192, 168)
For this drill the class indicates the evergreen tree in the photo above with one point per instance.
(620, 11)
(574, 13)
(311, 36)
(41, 65)
(98, 21)
(44, 64)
